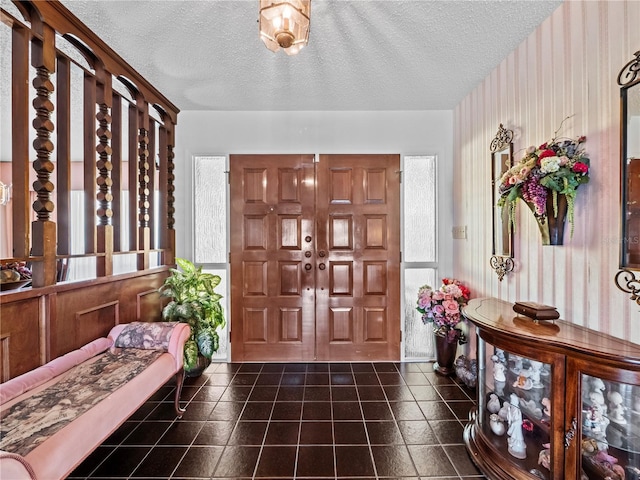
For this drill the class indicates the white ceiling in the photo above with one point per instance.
(362, 54)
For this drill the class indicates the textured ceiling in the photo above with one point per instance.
(362, 54)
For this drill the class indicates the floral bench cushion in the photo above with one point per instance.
(29, 422)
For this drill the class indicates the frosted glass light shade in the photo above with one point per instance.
(285, 24)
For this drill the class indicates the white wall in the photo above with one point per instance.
(202, 133)
(568, 66)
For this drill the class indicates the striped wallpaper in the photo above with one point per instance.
(567, 67)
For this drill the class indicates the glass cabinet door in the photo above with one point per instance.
(515, 408)
(610, 426)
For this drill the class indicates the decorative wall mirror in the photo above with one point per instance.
(501, 160)
(629, 81)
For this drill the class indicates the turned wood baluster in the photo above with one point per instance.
(171, 210)
(104, 182)
(43, 229)
(143, 194)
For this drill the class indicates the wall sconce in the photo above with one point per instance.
(5, 193)
(285, 24)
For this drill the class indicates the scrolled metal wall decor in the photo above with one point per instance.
(630, 72)
(629, 81)
(501, 148)
(501, 265)
(628, 283)
(502, 139)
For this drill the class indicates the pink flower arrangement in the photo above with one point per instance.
(556, 167)
(442, 308)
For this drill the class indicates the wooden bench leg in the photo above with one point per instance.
(176, 402)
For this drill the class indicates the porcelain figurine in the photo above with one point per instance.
(532, 407)
(503, 413)
(493, 405)
(517, 366)
(496, 424)
(498, 369)
(498, 387)
(544, 457)
(597, 401)
(523, 382)
(501, 356)
(616, 408)
(597, 384)
(517, 446)
(536, 368)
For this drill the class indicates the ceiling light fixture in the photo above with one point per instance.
(285, 24)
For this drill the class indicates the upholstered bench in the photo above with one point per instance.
(53, 417)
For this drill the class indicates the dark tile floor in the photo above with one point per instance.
(296, 421)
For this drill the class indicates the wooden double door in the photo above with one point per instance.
(315, 257)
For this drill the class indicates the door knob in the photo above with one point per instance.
(322, 253)
(307, 254)
(322, 266)
(307, 266)
(307, 239)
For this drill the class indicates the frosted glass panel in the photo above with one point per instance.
(210, 209)
(418, 337)
(419, 178)
(222, 354)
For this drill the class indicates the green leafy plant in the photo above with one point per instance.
(195, 302)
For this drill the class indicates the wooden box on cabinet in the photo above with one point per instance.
(577, 393)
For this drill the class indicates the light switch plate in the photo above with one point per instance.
(459, 232)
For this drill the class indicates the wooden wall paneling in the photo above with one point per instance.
(20, 143)
(149, 306)
(63, 154)
(89, 162)
(116, 172)
(96, 321)
(19, 339)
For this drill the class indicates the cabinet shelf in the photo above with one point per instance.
(580, 420)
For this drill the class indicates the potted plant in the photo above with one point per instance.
(194, 301)
(442, 308)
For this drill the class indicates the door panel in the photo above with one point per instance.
(315, 258)
(272, 294)
(358, 229)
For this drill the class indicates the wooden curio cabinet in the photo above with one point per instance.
(554, 400)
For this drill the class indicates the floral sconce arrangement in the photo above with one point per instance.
(547, 179)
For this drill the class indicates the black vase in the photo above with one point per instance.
(445, 354)
(556, 222)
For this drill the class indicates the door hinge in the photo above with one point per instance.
(228, 176)
(399, 172)
(400, 336)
